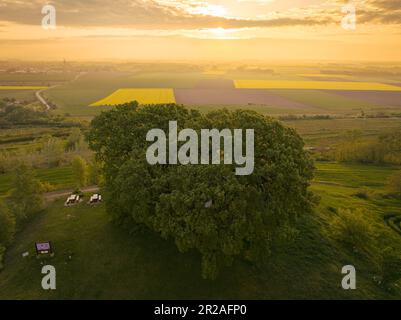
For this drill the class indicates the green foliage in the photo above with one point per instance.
(353, 230)
(247, 213)
(7, 230)
(80, 171)
(26, 198)
(52, 150)
(394, 184)
(362, 194)
(2, 252)
(73, 140)
(380, 150)
(391, 268)
(14, 112)
(7, 225)
(94, 173)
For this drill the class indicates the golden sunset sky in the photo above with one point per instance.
(217, 30)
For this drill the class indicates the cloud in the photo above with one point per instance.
(381, 11)
(150, 14)
(185, 14)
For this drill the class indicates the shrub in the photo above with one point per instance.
(80, 171)
(394, 184)
(391, 268)
(26, 197)
(362, 194)
(2, 252)
(352, 229)
(7, 225)
(7, 230)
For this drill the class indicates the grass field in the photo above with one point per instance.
(354, 175)
(314, 85)
(35, 79)
(143, 96)
(75, 97)
(18, 94)
(325, 102)
(327, 133)
(107, 263)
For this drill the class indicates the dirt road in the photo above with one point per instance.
(54, 195)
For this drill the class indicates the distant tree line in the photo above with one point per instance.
(385, 149)
(47, 152)
(14, 113)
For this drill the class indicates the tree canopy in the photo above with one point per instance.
(26, 198)
(204, 207)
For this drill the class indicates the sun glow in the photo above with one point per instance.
(217, 33)
(210, 10)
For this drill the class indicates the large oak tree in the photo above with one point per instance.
(204, 207)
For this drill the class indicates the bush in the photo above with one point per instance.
(394, 184)
(7, 225)
(352, 229)
(26, 197)
(362, 194)
(384, 149)
(7, 230)
(391, 268)
(80, 171)
(2, 252)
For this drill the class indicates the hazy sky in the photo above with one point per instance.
(201, 30)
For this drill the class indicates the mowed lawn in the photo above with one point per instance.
(143, 96)
(314, 85)
(108, 263)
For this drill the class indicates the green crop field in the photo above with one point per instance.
(76, 97)
(329, 132)
(354, 175)
(73, 93)
(326, 102)
(17, 94)
(60, 178)
(144, 266)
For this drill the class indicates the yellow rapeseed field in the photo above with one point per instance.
(143, 96)
(21, 87)
(318, 85)
(324, 75)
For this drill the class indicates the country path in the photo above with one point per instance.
(54, 195)
(43, 100)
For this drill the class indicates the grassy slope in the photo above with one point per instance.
(109, 264)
